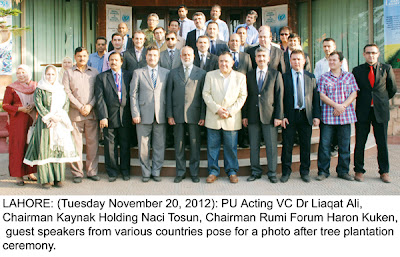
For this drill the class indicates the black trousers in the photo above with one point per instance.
(113, 138)
(304, 130)
(380, 134)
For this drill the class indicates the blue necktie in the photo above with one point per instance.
(153, 77)
(118, 84)
(212, 47)
(235, 59)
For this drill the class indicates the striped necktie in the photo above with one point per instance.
(153, 77)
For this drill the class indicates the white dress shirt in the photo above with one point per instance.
(322, 66)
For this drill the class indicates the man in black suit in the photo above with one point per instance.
(262, 114)
(301, 111)
(199, 20)
(135, 57)
(377, 85)
(295, 43)
(203, 58)
(123, 30)
(217, 46)
(113, 111)
(276, 60)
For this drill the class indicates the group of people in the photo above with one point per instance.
(241, 87)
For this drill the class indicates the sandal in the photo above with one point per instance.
(32, 177)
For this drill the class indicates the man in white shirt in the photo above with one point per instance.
(223, 28)
(185, 24)
(322, 66)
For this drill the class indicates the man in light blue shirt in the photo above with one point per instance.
(96, 59)
(223, 28)
(185, 25)
(252, 33)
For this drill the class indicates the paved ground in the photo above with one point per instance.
(331, 186)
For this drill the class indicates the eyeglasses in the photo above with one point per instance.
(284, 34)
(373, 53)
(170, 38)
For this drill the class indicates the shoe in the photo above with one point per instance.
(20, 183)
(306, 178)
(385, 177)
(233, 179)
(345, 176)
(46, 186)
(211, 178)
(195, 179)
(145, 179)
(77, 180)
(253, 177)
(58, 184)
(334, 153)
(285, 178)
(156, 178)
(178, 179)
(243, 145)
(320, 177)
(273, 179)
(359, 177)
(94, 178)
(112, 179)
(32, 177)
(126, 177)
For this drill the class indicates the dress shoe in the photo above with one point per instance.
(320, 177)
(385, 177)
(195, 179)
(46, 186)
(77, 179)
(359, 176)
(306, 178)
(285, 178)
(94, 178)
(178, 179)
(253, 177)
(145, 179)
(345, 176)
(233, 179)
(126, 177)
(112, 179)
(156, 178)
(20, 183)
(243, 145)
(211, 178)
(58, 184)
(273, 179)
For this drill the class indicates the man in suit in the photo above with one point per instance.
(170, 59)
(123, 30)
(136, 57)
(186, 111)
(377, 85)
(301, 111)
(295, 44)
(174, 27)
(112, 105)
(262, 114)
(199, 21)
(79, 86)
(203, 58)
(276, 60)
(217, 46)
(224, 94)
(159, 39)
(148, 96)
(242, 32)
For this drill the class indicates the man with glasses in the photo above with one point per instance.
(377, 85)
(170, 59)
(322, 66)
(159, 36)
(152, 22)
(199, 21)
(284, 33)
(174, 26)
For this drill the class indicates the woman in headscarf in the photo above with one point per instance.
(18, 102)
(67, 63)
(51, 145)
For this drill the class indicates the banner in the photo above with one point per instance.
(115, 15)
(392, 32)
(275, 17)
(5, 41)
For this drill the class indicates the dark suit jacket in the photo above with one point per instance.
(184, 99)
(107, 102)
(129, 45)
(384, 88)
(267, 105)
(191, 40)
(311, 96)
(307, 65)
(276, 60)
(211, 63)
(221, 46)
(244, 63)
(130, 61)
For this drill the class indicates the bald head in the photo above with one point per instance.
(264, 36)
(234, 42)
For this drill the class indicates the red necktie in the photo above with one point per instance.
(371, 78)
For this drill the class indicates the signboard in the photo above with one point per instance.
(115, 15)
(392, 32)
(5, 41)
(275, 17)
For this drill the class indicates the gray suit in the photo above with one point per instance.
(165, 60)
(244, 63)
(185, 104)
(148, 103)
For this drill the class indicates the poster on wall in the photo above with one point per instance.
(5, 41)
(115, 15)
(275, 17)
(392, 32)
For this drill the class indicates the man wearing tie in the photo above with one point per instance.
(112, 106)
(199, 21)
(185, 24)
(204, 59)
(186, 112)
(242, 61)
(301, 111)
(217, 46)
(148, 96)
(136, 57)
(377, 85)
(262, 114)
(170, 59)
